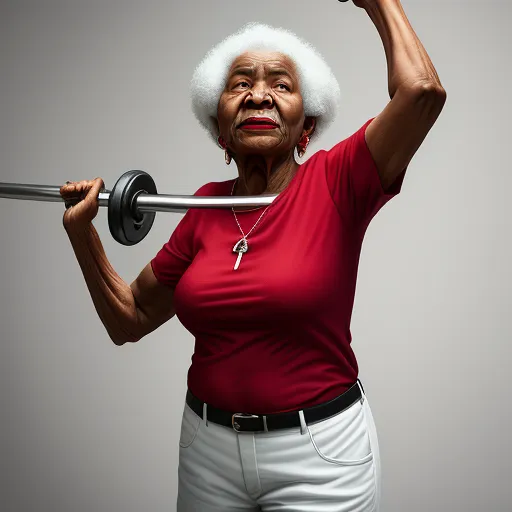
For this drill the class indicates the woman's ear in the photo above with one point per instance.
(309, 126)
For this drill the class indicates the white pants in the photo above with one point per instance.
(329, 466)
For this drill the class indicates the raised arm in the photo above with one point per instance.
(417, 96)
(127, 312)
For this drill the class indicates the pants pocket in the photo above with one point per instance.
(343, 439)
(190, 424)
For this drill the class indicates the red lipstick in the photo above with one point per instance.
(258, 123)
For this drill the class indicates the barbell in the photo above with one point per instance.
(133, 203)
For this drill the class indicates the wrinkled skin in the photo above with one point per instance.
(265, 158)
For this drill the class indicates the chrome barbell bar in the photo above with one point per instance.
(143, 202)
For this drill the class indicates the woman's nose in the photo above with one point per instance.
(259, 94)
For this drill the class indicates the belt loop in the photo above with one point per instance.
(303, 426)
(205, 418)
(362, 390)
(265, 428)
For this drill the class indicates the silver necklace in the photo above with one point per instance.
(242, 246)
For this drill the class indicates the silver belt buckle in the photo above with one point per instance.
(236, 425)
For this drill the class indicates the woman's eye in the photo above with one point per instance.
(241, 83)
(283, 85)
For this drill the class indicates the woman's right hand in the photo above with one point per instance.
(81, 201)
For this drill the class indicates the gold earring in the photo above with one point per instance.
(223, 145)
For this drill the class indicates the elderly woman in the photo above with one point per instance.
(275, 417)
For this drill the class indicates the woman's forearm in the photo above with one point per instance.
(112, 297)
(408, 61)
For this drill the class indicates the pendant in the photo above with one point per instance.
(240, 247)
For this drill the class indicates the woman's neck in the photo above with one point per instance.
(258, 175)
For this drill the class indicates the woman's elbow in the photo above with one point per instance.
(121, 339)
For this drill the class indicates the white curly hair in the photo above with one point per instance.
(318, 85)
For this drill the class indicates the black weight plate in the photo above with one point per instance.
(127, 225)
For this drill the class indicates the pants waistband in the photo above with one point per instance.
(245, 422)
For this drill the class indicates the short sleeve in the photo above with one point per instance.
(174, 258)
(354, 182)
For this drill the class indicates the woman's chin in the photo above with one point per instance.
(259, 145)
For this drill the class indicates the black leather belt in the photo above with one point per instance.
(244, 422)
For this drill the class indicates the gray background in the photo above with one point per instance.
(97, 88)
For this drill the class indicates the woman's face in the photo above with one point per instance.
(261, 84)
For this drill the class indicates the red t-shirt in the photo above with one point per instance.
(274, 335)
